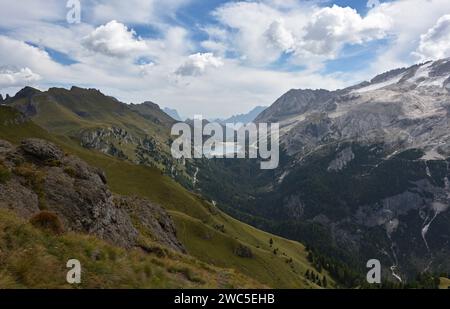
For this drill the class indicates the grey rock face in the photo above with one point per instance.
(41, 149)
(395, 200)
(342, 159)
(104, 139)
(295, 102)
(153, 219)
(5, 147)
(403, 108)
(18, 198)
(44, 178)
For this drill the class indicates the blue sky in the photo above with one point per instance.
(215, 57)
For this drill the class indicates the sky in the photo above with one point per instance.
(213, 57)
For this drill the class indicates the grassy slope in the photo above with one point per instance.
(59, 110)
(445, 283)
(195, 218)
(99, 111)
(32, 258)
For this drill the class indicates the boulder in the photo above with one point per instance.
(41, 149)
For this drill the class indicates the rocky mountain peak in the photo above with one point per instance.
(26, 92)
(295, 101)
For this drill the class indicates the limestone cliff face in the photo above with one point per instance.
(40, 176)
(370, 165)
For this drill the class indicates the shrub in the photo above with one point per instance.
(5, 174)
(48, 221)
(243, 251)
(70, 171)
(187, 272)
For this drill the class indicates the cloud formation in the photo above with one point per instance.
(17, 78)
(245, 53)
(197, 64)
(280, 37)
(114, 39)
(332, 27)
(435, 43)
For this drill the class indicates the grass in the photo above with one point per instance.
(196, 219)
(5, 174)
(33, 258)
(445, 283)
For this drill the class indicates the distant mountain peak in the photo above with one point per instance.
(26, 92)
(172, 113)
(245, 118)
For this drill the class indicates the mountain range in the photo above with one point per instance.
(363, 175)
(244, 118)
(172, 113)
(89, 175)
(364, 172)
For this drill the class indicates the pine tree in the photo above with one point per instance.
(271, 242)
(307, 274)
(324, 282)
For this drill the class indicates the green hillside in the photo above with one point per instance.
(208, 234)
(445, 283)
(137, 133)
(32, 258)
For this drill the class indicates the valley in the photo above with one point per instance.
(363, 174)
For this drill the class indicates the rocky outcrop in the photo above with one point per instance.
(104, 140)
(342, 159)
(41, 150)
(153, 219)
(44, 178)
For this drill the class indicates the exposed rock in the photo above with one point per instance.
(18, 198)
(85, 204)
(342, 159)
(41, 149)
(5, 147)
(26, 92)
(152, 112)
(154, 219)
(243, 251)
(398, 187)
(294, 206)
(77, 194)
(103, 140)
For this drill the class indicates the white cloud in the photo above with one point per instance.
(114, 39)
(435, 43)
(262, 31)
(133, 11)
(245, 25)
(332, 27)
(280, 37)
(197, 64)
(18, 54)
(410, 19)
(17, 13)
(249, 37)
(17, 78)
